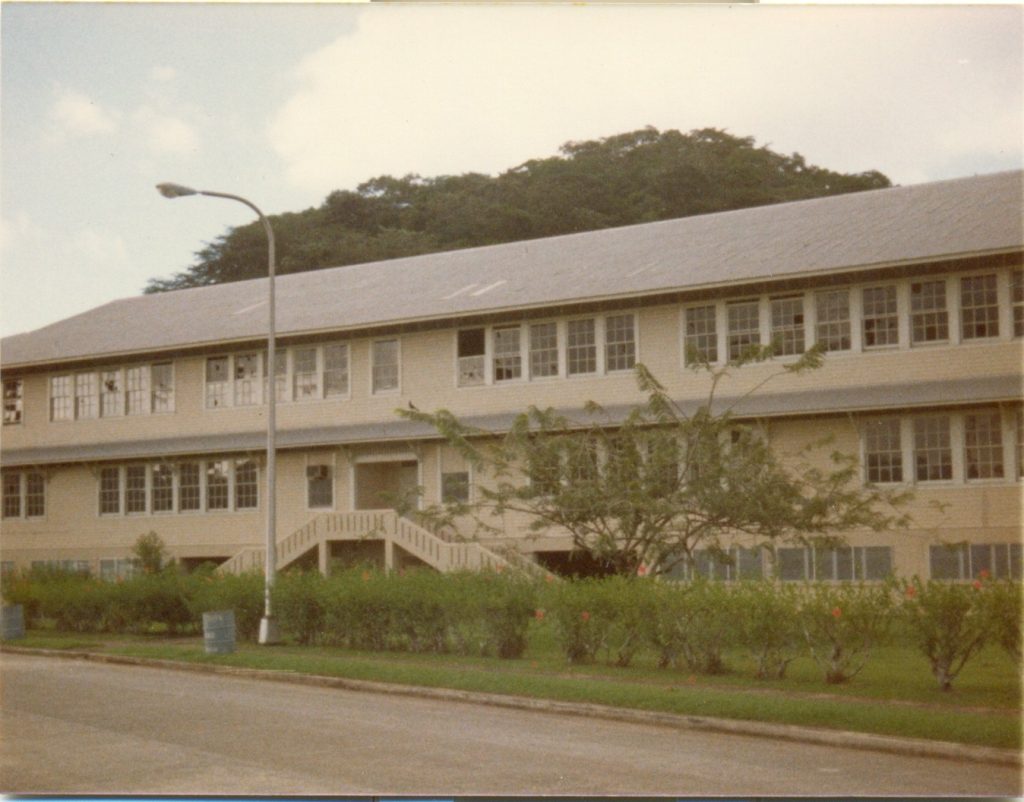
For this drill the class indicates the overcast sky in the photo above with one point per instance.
(283, 104)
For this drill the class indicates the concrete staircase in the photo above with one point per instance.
(434, 549)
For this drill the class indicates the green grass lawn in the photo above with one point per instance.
(895, 693)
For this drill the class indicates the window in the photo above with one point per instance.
(306, 379)
(455, 487)
(247, 380)
(701, 335)
(35, 495)
(837, 565)
(507, 358)
(385, 365)
(833, 328)
(13, 401)
(471, 357)
(246, 484)
(883, 454)
(86, 397)
(543, 350)
(135, 489)
(735, 564)
(217, 485)
(787, 326)
(963, 561)
(335, 371)
(110, 491)
(544, 473)
(64, 566)
(112, 570)
(216, 382)
(1017, 301)
(111, 394)
(979, 307)
(619, 342)
(319, 486)
(61, 401)
(162, 375)
(880, 320)
(929, 320)
(933, 455)
(12, 495)
(281, 392)
(136, 380)
(983, 440)
(581, 347)
(189, 487)
(1020, 441)
(744, 330)
(163, 487)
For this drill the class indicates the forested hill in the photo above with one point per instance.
(636, 177)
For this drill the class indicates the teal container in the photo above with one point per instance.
(219, 631)
(12, 622)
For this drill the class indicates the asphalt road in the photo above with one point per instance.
(77, 727)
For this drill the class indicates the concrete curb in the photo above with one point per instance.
(915, 747)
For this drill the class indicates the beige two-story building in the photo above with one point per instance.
(148, 413)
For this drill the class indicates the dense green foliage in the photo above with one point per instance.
(635, 177)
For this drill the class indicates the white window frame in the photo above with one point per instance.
(22, 478)
(385, 391)
(14, 402)
(715, 334)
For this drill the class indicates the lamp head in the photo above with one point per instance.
(175, 190)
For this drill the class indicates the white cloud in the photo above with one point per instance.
(453, 89)
(165, 133)
(79, 115)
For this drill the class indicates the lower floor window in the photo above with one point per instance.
(966, 561)
(63, 566)
(112, 570)
(731, 565)
(455, 487)
(838, 564)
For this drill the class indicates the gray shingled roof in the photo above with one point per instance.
(873, 398)
(966, 216)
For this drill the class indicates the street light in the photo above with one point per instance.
(268, 626)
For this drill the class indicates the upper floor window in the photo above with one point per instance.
(135, 390)
(24, 494)
(162, 375)
(86, 396)
(62, 405)
(933, 453)
(788, 325)
(111, 393)
(929, 319)
(13, 401)
(581, 347)
(620, 342)
(335, 370)
(744, 327)
(880, 319)
(217, 382)
(1017, 301)
(979, 307)
(247, 383)
(471, 347)
(543, 350)
(301, 374)
(701, 340)
(385, 365)
(983, 440)
(305, 374)
(508, 363)
(833, 326)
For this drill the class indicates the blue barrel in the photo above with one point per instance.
(219, 631)
(12, 622)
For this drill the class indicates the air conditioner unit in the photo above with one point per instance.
(317, 472)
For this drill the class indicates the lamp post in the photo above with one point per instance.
(268, 626)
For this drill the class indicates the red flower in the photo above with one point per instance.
(910, 592)
(984, 574)
(584, 616)
(539, 615)
(641, 570)
(836, 612)
(976, 584)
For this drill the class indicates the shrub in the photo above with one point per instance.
(581, 626)
(949, 622)
(242, 593)
(842, 623)
(1003, 602)
(298, 605)
(505, 615)
(766, 625)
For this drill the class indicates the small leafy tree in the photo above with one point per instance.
(1005, 612)
(767, 625)
(151, 552)
(949, 622)
(644, 491)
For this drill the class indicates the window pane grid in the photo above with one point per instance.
(620, 342)
(833, 326)
(61, 402)
(246, 485)
(385, 365)
(35, 495)
(933, 455)
(217, 382)
(189, 491)
(1017, 300)
(979, 307)
(247, 380)
(701, 334)
(86, 397)
(12, 495)
(306, 378)
(788, 325)
(543, 350)
(111, 394)
(581, 347)
(929, 321)
(335, 371)
(881, 324)
(110, 490)
(883, 453)
(135, 489)
(163, 488)
(984, 446)
(13, 400)
(217, 485)
(163, 387)
(507, 359)
(744, 328)
(137, 390)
